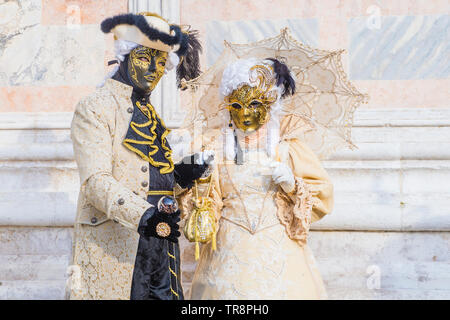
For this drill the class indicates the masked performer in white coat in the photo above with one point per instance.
(265, 193)
(126, 230)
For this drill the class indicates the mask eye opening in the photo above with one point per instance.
(255, 103)
(236, 105)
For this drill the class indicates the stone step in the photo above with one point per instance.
(408, 265)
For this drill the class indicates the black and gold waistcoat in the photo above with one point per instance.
(156, 272)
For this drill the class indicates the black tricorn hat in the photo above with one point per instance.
(153, 31)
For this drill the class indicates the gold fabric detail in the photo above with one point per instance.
(201, 226)
(160, 193)
(150, 113)
(205, 180)
(173, 292)
(172, 272)
(171, 256)
(163, 229)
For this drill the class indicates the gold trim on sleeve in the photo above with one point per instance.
(160, 193)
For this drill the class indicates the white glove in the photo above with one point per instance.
(205, 157)
(283, 176)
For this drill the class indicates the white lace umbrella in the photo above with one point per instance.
(324, 101)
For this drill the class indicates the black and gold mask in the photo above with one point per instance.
(146, 67)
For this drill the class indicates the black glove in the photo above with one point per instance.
(160, 225)
(187, 171)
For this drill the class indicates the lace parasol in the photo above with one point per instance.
(323, 105)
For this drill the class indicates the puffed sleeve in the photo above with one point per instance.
(93, 152)
(312, 197)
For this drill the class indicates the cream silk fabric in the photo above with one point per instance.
(261, 243)
(112, 197)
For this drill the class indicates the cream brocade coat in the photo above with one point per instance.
(261, 242)
(112, 196)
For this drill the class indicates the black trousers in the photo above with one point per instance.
(156, 274)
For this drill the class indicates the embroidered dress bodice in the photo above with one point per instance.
(249, 202)
(252, 196)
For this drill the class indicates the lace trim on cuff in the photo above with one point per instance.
(294, 210)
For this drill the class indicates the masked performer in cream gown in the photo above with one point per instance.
(265, 193)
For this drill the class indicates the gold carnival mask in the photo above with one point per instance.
(249, 106)
(146, 67)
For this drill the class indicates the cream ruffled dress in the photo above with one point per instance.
(261, 242)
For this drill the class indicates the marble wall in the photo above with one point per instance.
(397, 51)
(400, 48)
(52, 52)
(388, 237)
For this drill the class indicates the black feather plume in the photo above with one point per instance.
(189, 52)
(284, 77)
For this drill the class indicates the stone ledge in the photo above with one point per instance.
(413, 117)
(396, 180)
(369, 195)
